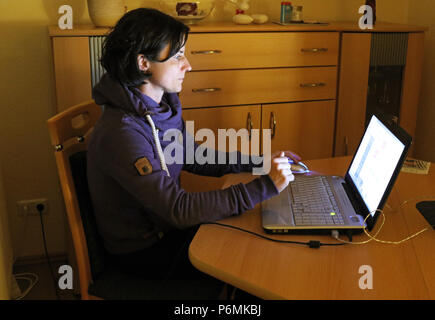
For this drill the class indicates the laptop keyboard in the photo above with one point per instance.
(314, 203)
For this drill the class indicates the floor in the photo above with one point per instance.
(44, 289)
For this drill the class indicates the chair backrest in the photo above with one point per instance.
(69, 133)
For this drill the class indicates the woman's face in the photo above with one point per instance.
(166, 76)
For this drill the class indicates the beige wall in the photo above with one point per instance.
(330, 10)
(27, 97)
(27, 100)
(6, 256)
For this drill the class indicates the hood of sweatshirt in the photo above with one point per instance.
(112, 94)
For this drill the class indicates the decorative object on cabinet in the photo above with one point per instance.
(260, 18)
(297, 14)
(189, 12)
(241, 17)
(106, 13)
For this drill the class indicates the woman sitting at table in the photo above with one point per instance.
(145, 218)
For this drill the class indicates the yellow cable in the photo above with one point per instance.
(393, 242)
(371, 237)
(382, 224)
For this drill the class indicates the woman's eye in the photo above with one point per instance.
(179, 56)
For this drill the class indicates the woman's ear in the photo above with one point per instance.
(142, 62)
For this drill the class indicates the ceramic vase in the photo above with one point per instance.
(105, 13)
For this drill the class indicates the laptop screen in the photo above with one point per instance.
(375, 163)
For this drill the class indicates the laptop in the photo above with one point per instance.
(319, 204)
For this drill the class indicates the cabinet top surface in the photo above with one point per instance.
(210, 27)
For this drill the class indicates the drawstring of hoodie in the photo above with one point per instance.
(157, 142)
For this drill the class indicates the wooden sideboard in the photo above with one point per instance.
(288, 79)
(308, 84)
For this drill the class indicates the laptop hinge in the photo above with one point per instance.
(357, 206)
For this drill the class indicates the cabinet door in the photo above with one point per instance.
(242, 117)
(217, 118)
(305, 128)
(352, 96)
(72, 71)
(412, 84)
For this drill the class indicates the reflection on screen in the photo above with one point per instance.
(375, 162)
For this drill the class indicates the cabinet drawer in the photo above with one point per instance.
(262, 50)
(235, 87)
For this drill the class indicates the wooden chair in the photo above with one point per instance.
(69, 132)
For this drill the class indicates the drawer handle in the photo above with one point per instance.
(206, 52)
(346, 146)
(313, 85)
(206, 90)
(272, 124)
(314, 50)
(249, 124)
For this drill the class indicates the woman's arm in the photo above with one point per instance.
(162, 195)
(210, 162)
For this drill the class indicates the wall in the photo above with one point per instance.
(27, 100)
(6, 256)
(27, 97)
(332, 10)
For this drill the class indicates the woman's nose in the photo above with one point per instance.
(187, 65)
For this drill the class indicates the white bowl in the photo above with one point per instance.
(189, 12)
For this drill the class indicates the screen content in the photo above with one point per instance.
(375, 162)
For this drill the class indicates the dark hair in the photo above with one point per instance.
(140, 31)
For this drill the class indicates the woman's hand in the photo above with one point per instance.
(280, 171)
(289, 154)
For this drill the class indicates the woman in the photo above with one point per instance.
(145, 218)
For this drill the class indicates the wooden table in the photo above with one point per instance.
(272, 270)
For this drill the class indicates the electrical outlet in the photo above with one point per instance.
(29, 207)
